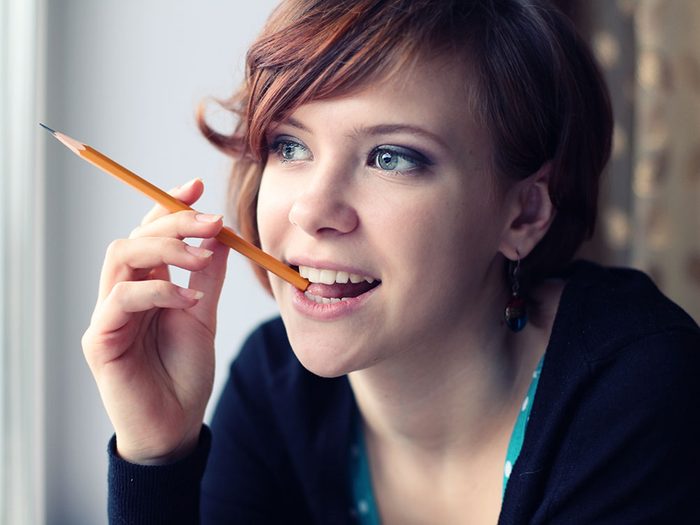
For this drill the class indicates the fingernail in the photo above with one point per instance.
(207, 217)
(190, 294)
(198, 252)
(188, 184)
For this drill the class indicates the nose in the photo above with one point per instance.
(323, 208)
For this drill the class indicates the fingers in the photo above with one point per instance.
(210, 281)
(188, 193)
(135, 275)
(180, 225)
(147, 253)
(130, 297)
(155, 245)
(145, 257)
(112, 320)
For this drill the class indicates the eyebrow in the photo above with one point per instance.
(295, 123)
(387, 129)
(383, 129)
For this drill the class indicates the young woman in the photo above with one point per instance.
(431, 166)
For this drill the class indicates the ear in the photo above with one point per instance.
(530, 214)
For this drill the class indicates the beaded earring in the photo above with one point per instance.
(515, 313)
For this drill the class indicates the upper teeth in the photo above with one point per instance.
(316, 275)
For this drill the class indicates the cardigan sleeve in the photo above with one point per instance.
(260, 454)
(151, 495)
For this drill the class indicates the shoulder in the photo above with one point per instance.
(617, 338)
(604, 311)
(613, 425)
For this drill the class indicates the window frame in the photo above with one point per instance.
(22, 443)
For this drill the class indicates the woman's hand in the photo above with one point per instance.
(150, 343)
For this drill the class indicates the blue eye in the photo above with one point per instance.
(398, 159)
(289, 150)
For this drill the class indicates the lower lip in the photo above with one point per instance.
(329, 312)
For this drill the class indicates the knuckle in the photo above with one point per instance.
(88, 344)
(119, 290)
(159, 245)
(85, 341)
(186, 219)
(159, 291)
(136, 232)
(167, 244)
(115, 247)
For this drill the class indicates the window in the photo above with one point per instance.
(21, 400)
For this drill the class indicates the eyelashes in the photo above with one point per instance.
(390, 159)
(289, 149)
(397, 159)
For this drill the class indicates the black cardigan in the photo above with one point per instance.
(613, 436)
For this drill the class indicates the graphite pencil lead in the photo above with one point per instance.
(48, 128)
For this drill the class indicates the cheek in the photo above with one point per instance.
(439, 232)
(440, 250)
(272, 213)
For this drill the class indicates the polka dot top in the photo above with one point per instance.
(365, 507)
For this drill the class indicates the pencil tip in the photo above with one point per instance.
(47, 128)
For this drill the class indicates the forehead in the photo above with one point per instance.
(433, 94)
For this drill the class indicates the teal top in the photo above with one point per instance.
(366, 506)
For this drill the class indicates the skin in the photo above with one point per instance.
(431, 334)
(432, 235)
(149, 347)
(438, 378)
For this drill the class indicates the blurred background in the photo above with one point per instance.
(125, 76)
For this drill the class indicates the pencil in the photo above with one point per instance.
(226, 235)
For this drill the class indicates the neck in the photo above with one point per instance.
(451, 398)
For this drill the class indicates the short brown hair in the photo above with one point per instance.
(536, 90)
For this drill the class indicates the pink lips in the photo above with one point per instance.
(326, 302)
(328, 312)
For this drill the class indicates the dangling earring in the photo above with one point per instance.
(515, 313)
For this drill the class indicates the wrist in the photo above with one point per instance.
(158, 455)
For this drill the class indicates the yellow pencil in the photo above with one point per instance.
(226, 235)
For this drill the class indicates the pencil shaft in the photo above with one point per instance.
(226, 235)
(117, 170)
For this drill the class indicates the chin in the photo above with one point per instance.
(323, 361)
(322, 349)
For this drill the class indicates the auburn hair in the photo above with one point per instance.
(533, 84)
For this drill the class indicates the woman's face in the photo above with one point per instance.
(388, 186)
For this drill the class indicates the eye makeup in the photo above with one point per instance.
(387, 157)
(398, 159)
(289, 149)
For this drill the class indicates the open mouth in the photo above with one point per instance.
(332, 286)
